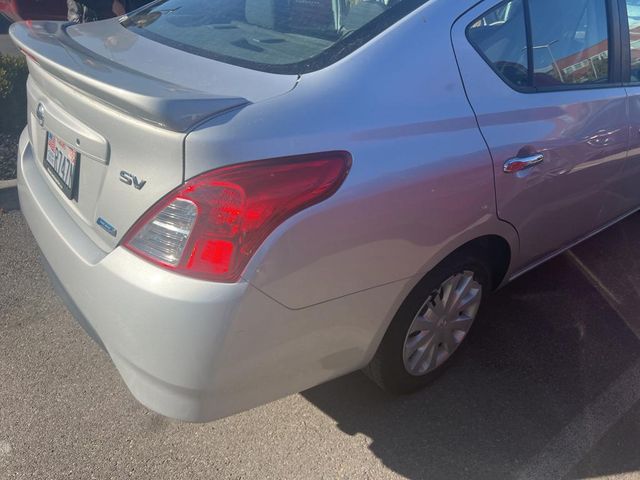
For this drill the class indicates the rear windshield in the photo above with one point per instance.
(280, 36)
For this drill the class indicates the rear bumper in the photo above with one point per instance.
(190, 349)
(162, 331)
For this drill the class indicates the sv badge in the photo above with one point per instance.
(130, 179)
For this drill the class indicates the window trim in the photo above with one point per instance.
(625, 45)
(529, 39)
(614, 60)
(615, 50)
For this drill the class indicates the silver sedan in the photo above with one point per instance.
(241, 199)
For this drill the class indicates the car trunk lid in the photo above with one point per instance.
(125, 104)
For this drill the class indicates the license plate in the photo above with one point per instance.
(62, 162)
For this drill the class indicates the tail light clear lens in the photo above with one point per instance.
(165, 236)
(211, 226)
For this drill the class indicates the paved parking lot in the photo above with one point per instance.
(547, 387)
(6, 45)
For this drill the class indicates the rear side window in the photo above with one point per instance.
(570, 44)
(501, 37)
(280, 36)
(537, 45)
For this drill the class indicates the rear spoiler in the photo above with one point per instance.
(150, 99)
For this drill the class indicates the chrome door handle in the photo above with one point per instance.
(518, 164)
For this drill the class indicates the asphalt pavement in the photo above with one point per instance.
(548, 386)
(6, 45)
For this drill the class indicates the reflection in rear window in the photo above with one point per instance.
(282, 36)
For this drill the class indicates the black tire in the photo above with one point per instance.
(387, 367)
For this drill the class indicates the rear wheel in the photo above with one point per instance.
(430, 325)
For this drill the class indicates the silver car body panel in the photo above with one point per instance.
(190, 349)
(108, 142)
(403, 163)
(124, 119)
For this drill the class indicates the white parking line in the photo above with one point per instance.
(624, 311)
(578, 438)
(596, 282)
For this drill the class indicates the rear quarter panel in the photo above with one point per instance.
(421, 183)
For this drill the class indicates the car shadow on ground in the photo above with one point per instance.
(545, 350)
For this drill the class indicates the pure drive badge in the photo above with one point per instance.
(110, 229)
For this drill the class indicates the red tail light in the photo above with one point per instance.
(211, 226)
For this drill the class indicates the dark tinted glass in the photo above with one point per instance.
(633, 13)
(570, 42)
(500, 35)
(286, 36)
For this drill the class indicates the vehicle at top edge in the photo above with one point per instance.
(19, 10)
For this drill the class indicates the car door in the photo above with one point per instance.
(544, 83)
(630, 20)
